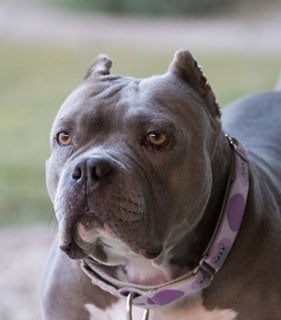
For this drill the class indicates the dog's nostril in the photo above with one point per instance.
(91, 170)
(102, 170)
(99, 169)
(77, 173)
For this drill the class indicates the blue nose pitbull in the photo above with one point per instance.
(166, 209)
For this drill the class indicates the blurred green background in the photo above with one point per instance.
(35, 78)
(164, 7)
(148, 7)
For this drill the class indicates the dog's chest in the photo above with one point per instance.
(193, 311)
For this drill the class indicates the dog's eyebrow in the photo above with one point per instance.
(95, 121)
(150, 121)
(63, 123)
(148, 116)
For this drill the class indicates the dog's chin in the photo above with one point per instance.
(143, 266)
(110, 256)
(133, 268)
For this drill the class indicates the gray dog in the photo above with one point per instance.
(162, 215)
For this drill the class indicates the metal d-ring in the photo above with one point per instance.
(146, 314)
(130, 308)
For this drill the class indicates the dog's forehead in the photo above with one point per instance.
(90, 95)
(113, 97)
(88, 101)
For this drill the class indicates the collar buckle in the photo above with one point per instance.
(207, 270)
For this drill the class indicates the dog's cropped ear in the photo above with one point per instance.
(100, 67)
(187, 68)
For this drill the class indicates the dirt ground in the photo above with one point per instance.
(23, 252)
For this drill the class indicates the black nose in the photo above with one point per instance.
(92, 170)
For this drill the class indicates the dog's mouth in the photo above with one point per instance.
(116, 257)
(102, 245)
(146, 263)
(112, 230)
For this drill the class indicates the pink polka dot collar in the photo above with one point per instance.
(213, 258)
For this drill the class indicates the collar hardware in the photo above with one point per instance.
(130, 298)
(207, 270)
(232, 141)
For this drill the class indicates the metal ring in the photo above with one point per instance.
(130, 308)
(146, 314)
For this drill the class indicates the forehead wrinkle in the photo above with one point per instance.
(147, 108)
(105, 113)
(149, 117)
(105, 90)
(88, 93)
(109, 86)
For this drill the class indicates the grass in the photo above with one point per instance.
(35, 80)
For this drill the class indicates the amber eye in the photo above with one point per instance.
(157, 138)
(64, 138)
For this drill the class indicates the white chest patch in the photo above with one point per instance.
(192, 310)
(139, 270)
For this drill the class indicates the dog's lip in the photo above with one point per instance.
(148, 253)
(73, 251)
(97, 261)
(106, 263)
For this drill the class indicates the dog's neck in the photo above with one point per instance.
(198, 239)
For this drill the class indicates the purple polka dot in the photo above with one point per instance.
(165, 297)
(235, 211)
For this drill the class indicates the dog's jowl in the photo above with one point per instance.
(166, 209)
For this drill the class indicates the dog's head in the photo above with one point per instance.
(130, 170)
